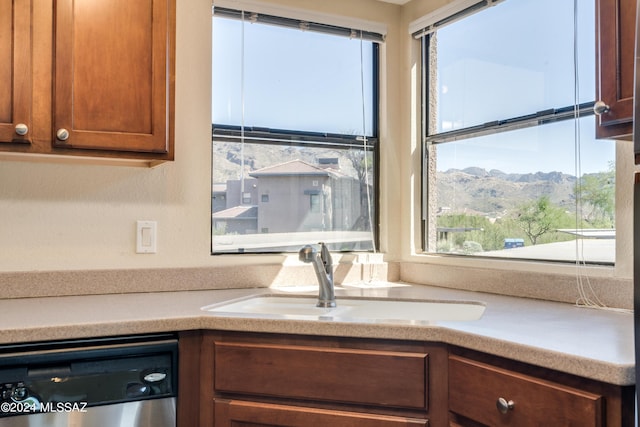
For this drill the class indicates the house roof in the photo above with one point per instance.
(293, 167)
(237, 212)
(591, 233)
(589, 250)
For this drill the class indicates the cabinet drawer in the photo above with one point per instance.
(353, 376)
(474, 390)
(242, 413)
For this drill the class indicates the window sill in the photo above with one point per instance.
(539, 280)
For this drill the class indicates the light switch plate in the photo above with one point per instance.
(146, 237)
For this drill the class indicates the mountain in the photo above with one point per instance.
(472, 190)
(227, 158)
(494, 193)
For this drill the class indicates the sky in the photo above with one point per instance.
(311, 81)
(514, 59)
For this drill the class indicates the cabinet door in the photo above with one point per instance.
(615, 29)
(15, 70)
(113, 75)
(498, 397)
(253, 414)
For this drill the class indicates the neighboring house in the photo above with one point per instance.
(236, 220)
(242, 192)
(218, 197)
(317, 198)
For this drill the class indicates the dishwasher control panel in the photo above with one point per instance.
(71, 379)
(16, 392)
(16, 399)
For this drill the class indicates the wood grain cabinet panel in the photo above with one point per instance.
(15, 70)
(298, 380)
(260, 379)
(112, 74)
(615, 35)
(252, 414)
(352, 376)
(92, 79)
(475, 388)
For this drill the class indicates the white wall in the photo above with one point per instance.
(71, 216)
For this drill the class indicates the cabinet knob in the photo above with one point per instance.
(22, 129)
(505, 405)
(600, 108)
(62, 134)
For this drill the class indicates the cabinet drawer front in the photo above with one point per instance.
(474, 389)
(239, 413)
(356, 376)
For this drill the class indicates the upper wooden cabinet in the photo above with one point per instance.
(111, 75)
(15, 71)
(615, 36)
(90, 78)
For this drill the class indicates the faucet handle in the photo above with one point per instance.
(325, 255)
(306, 253)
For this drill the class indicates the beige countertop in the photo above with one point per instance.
(596, 344)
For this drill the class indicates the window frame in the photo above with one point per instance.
(540, 118)
(221, 132)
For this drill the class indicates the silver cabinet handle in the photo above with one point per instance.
(600, 108)
(22, 129)
(62, 134)
(505, 405)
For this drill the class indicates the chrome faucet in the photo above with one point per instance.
(323, 264)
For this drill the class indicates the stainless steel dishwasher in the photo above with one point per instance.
(111, 382)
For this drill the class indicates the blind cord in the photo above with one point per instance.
(372, 265)
(587, 297)
(364, 138)
(242, 112)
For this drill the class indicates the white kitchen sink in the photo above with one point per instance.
(353, 309)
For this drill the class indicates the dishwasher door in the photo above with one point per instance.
(120, 382)
(144, 413)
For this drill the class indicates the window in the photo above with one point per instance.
(294, 107)
(314, 203)
(511, 165)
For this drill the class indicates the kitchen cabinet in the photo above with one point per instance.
(241, 413)
(301, 381)
(15, 67)
(233, 379)
(101, 81)
(615, 37)
(501, 394)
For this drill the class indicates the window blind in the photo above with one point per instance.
(303, 25)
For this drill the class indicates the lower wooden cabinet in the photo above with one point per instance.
(496, 396)
(254, 414)
(279, 380)
(390, 379)
(241, 379)
(485, 394)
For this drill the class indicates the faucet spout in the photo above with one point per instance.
(323, 266)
